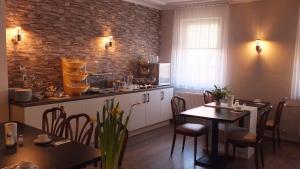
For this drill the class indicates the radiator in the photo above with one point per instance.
(192, 99)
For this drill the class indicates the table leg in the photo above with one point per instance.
(213, 159)
(242, 122)
(215, 142)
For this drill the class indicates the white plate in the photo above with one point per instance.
(38, 141)
(26, 165)
(30, 167)
(256, 100)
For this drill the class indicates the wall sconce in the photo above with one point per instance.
(258, 45)
(109, 42)
(18, 34)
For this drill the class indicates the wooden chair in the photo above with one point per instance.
(208, 97)
(96, 139)
(53, 121)
(274, 125)
(241, 137)
(184, 128)
(83, 131)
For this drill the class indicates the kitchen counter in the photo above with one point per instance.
(154, 108)
(81, 97)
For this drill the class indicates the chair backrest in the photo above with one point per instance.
(262, 122)
(279, 110)
(208, 97)
(81, 131)
(96, 139)
(178, 106)
(53, 121)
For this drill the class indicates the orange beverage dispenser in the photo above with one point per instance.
(74, 76)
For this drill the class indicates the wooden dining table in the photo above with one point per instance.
(250, 103)
(65, 156)
(215, 115)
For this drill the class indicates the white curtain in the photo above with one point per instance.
(199, 47)
(295, 92)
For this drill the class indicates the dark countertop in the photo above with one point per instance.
(81, 97)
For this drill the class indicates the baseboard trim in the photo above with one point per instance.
(148, 128)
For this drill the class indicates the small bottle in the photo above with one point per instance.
(20, 140)
(236, 103)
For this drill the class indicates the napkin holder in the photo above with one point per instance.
(230, 99)
(11, 133)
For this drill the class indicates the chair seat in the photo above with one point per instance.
(222, 126)
(235, 129)
(270, 124)
(191, 129)
(241, 135)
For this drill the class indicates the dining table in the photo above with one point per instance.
(254, 107)
(70, 155)
(216, 116)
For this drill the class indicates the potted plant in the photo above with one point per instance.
(219, 94)
(111, 135)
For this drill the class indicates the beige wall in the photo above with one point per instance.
(166, 35)
(3, 67)
(268, 75)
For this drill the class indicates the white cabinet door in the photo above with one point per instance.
(33, 115)
(74, 107)
(138, 117)
(87, 106)
(153, 107)
(92, 106)
(165, 106)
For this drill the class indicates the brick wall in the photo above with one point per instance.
(75, 28)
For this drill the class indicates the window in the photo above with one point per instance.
(199, 53)
(295, 92)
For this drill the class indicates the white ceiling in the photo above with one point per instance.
(165, 4)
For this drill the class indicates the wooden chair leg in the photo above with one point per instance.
(183, 143)
(206, 139)
(278, 136)
(256, 157)
(96, 164)
(173, 144)
(195, 149)
(262, 154)
(226, 151)
(274, 140)
(233, 153)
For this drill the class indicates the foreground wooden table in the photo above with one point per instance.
(216, 116)
(69, 155)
